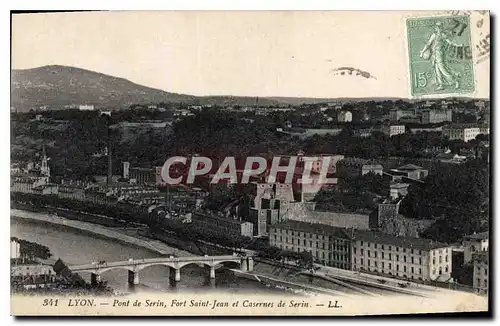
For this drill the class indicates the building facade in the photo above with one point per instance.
(458, 132)
(393, 130)
(436, 116)
(329, 246)
(474, 243)
(403, 257)
(227, 225)
(481, 272)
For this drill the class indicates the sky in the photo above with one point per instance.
(281, 53)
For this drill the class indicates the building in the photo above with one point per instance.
(305, 212)
(32, 276)
(481, 272)
(419, 129)
(344, 116)
(393, 130)
(403, 257)
(474, 243)
(398, 190)
(410, 171)
(269, 200)
(15, 249)
(436, 116)
(462, 132)
(84, 107)
(328, 245)
(388, 220)
(230, 226)
(397, 114)
(144, 175)
(351, 167)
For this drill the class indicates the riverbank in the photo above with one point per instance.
(118, 234)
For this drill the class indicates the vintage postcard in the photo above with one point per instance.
(281, 163)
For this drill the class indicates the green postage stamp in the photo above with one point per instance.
(440, 55)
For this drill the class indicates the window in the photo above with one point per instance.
(412, 270)
(390, 248)
(368, 262)
(275, 237)
(354, 250)
(397, 248)
(304, 242)
(382, 247)
(368, 253)
(382, 255)
(361, 251)
(397, 257)
(485, 271)
(440, 259)
(420, 270)
(397, 268)
(375, 263)
(446, 258)
(420, 261)
(281, 238)
(412, 250)
(404, 269)
(293, 233)
(404, 259)
(375, 246)
(433, 260)
(404, 249)
(362, 263)
(369, 245)
(412, 260)
(446, 269)
(390, 266)
(310, 244)
(382, 264)
(286, 239)
(361, 242)
(390, 256)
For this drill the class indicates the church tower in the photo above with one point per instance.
(45, 169)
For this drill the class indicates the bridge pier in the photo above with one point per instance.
(244, 265)
(212, 271)
(133, 277)
(94, 279)
(250, 264)
(175, 274)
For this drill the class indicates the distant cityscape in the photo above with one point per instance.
(411, 203)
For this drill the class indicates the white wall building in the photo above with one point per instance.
(344, 116)
(15, 250)
(465, 133)
(84, 107)
(393, 130)
(404, 257)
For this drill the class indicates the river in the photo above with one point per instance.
(75, 247)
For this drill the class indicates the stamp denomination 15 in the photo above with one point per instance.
(440, 55)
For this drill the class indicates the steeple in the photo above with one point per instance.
(44, 169)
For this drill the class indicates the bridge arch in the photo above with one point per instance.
(147, 265)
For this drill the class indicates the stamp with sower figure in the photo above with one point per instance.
(440, 55)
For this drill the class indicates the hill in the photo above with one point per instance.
(56, 86)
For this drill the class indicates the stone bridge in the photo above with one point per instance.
(134, 266)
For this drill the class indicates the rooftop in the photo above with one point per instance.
(405, 242)
(314, 228)
(478, 236)
(410, 167)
